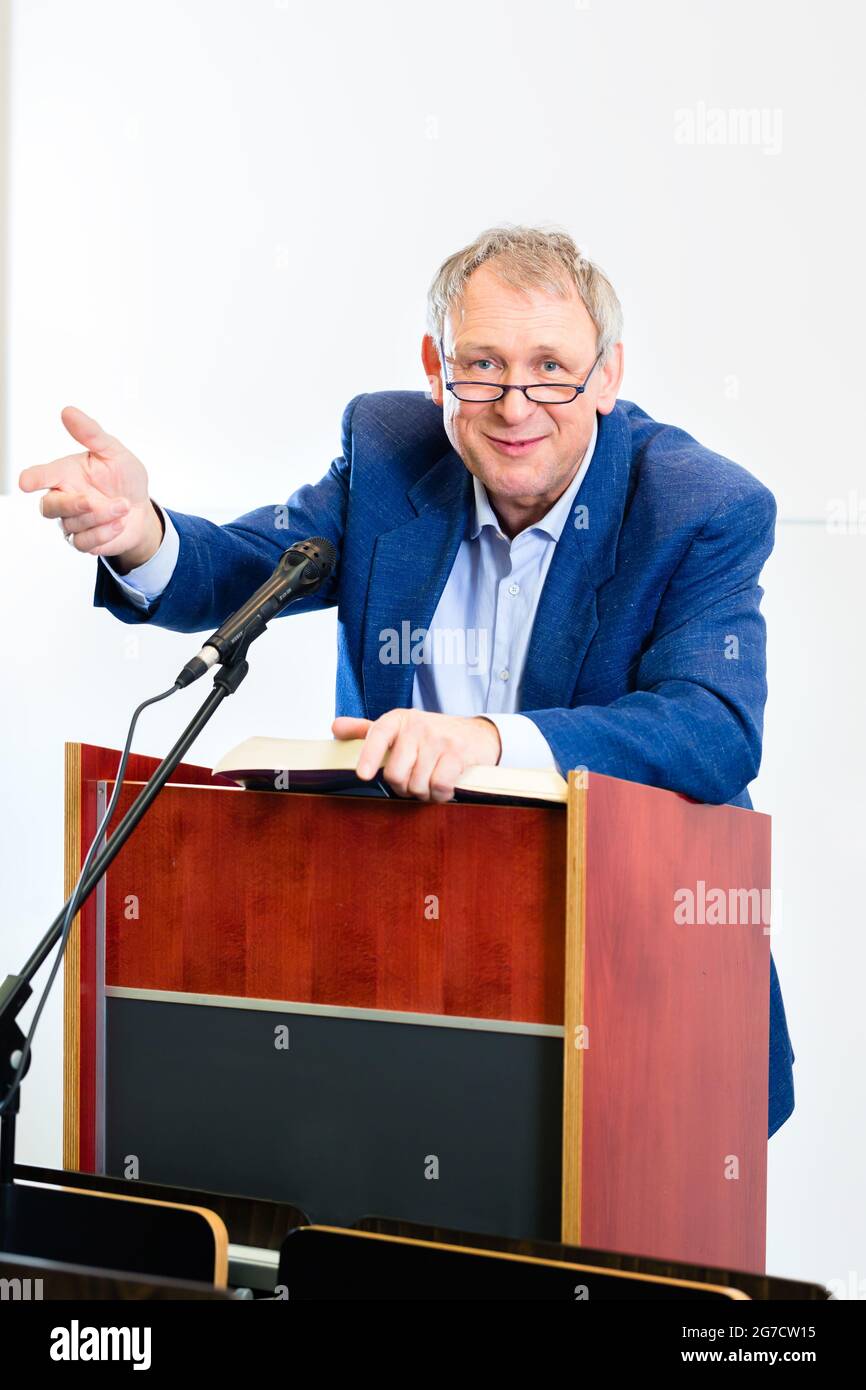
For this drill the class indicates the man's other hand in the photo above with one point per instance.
(99, 496)
(427, 753)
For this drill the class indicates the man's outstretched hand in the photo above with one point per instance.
(426, 752)
(99, 496)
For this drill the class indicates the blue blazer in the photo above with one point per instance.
(647, 657)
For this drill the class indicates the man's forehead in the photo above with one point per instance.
(495, 315)
(529, 335)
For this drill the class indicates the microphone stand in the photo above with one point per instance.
(16, 990)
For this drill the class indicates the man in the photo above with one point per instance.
(601, 569)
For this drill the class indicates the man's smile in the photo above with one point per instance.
(514, 448)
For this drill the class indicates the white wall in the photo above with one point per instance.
(224, 217)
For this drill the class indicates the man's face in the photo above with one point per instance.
(525, 453)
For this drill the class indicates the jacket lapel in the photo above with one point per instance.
(566, 619)
(410, 567)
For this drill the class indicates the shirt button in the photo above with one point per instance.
(514, 588)
(504, 674)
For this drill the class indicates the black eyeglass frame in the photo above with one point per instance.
(503, 387)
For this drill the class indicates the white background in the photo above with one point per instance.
(223, 221)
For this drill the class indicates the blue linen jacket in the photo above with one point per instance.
(647, 655)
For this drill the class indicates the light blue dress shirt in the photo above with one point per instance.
(475, 649)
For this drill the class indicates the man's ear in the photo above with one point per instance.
(611, 380)
(432, 367)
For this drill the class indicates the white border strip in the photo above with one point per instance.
(5, 232)
(287, 1006)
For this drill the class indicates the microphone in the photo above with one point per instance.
(301, 570)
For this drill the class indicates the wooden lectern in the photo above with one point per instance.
(537, 1021)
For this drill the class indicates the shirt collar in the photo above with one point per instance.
(554, 520)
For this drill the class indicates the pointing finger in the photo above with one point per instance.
(49, 474)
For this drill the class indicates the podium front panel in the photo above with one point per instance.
(339, 1114)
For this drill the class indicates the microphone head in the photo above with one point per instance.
(321, 554)
(327, 553)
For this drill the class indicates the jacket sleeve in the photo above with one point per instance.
(694, 721)
(219, 567)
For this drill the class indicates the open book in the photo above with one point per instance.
(328, 765)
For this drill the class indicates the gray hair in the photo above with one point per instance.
(529, 257)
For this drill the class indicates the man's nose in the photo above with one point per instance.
(513, 407)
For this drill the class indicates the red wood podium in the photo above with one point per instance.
(530, 1021)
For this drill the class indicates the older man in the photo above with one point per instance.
(602, 569)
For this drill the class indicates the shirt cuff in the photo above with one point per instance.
(146, 582)
(523, 743)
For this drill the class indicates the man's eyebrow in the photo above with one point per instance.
(553, 349)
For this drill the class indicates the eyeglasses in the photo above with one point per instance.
(542, 392)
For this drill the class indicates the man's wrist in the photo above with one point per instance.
(495, 740)
(133, 559)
